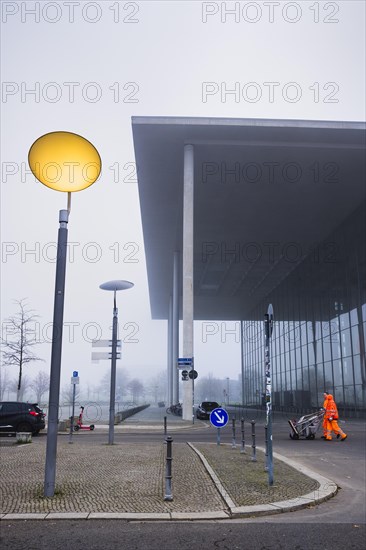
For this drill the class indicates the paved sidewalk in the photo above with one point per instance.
(126, 481)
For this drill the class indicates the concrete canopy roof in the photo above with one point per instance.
(266, 191)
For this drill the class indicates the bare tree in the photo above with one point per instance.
(67, 393)
(13, 387)
(19, 340)
(4, 381)
(156, 386)
(40, 384)
(136, 388)
(122, 380)
(209, 388)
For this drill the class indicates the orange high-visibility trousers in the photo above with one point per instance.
(325, 421)
(332, 425)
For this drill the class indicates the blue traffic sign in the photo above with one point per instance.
(219, 418)
(75, 374)
(185, 360)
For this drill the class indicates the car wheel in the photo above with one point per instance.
(24, 427)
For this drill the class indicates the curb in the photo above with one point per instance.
(103, 428)
(327, 489)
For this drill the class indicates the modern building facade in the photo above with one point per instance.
(240, 213)
(322, 347)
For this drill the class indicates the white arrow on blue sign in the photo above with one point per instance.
(75, 373)
(219, 418)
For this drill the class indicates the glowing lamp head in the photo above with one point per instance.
(64, 161)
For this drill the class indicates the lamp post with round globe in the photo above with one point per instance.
(114, 286)
(66, 162)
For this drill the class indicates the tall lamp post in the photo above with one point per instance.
(114, 286)
(66, 162)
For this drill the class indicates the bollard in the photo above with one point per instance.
(254, 457)
(242, 450)
(165, 428)
(233, 446)
(168, 469)
(266, 453)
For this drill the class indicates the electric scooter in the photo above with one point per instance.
(80, 425)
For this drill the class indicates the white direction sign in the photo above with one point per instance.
(102, 355)
(104, 343)
(219, 418)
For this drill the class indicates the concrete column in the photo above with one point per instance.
(170, 353)
(175, 329)
(188, 193)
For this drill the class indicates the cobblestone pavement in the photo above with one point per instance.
(117, 478)
(129, 478)
(246, 482)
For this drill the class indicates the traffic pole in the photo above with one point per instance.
(268, 328)
(73, 413)
(233, 444)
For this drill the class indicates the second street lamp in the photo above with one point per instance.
(114, 286)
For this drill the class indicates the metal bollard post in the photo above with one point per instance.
(233, 446)
(254, 457)
(242, 450)
(168, 470)
(266, 453)
(165, 426)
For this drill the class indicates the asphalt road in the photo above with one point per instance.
(111, 534)
(336, 524)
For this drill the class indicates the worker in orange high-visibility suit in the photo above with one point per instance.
(331, 416)
(324, 436)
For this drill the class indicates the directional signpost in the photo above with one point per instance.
(219, 418)
(102, 355)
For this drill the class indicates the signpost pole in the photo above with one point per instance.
(74, 381)
(73, 412)
(268, 328)
(112, 397)
(219, 418)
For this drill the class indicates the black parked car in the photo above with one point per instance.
(205, 408)
(21, 417)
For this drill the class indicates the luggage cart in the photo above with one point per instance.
(306, 426)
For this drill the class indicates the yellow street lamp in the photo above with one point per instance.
(65, 162)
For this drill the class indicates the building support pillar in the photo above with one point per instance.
(175, 330)
(242, 363)
(170, 354)
(188, 196)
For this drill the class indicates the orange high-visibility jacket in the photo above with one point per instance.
(331, 410)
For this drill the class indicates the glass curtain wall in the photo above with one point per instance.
(318, 341)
